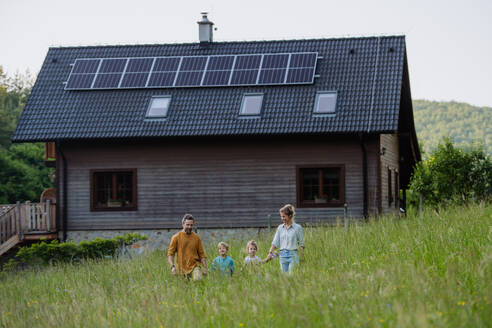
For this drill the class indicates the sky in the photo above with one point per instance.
(449, 42)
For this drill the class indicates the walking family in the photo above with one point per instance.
(191, 259)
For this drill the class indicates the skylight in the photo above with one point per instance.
(251, 104)
(326, 102)
(158, 107)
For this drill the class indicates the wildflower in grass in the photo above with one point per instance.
(388, 305)
(241, 324)
(461, 303)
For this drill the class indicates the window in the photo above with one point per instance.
(113, 190)
(321, 186)
(158, 107)
(251, 104)
(326, 102)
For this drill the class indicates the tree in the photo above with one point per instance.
(23, 175)
(453, 174)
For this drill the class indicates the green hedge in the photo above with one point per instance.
(56, 252)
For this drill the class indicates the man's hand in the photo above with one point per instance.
(173, 270)
(204, 271)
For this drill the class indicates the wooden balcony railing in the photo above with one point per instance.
(26, 221)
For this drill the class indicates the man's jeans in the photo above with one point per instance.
(288, 260)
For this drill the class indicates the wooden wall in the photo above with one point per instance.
(233, 183)
(389, 161)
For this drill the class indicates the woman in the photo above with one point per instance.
(289, 238)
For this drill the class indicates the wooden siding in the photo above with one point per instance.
(235, 183)
(389, 161)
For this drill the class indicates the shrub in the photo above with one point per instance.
(54, 251)
(452, 175)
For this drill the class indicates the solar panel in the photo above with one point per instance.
(107, 81)
(193, 71)
(218, 71)
(161, 79)
(113, 65)
(83, 73)
(86, 66)
(244, 77)
(134, 80)
(275, 61)
(300, 75)
(139, 65)
(272, 76)
(80, 81)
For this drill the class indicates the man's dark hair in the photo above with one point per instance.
(187, 217)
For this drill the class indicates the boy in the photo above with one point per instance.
(223, 262)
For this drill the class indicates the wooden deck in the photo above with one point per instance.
(26, 221)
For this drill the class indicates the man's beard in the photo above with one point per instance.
(188, 230)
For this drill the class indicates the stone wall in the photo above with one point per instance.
(160, 239)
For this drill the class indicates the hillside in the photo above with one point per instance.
(462, 122)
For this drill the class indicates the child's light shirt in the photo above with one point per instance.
(253, 260)
(224, 264)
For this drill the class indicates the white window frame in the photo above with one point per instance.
(320, 94)
(243, 102)
(154, 98)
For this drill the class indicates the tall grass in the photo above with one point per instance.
(409, 272)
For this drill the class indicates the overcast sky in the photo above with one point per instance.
(449, 42)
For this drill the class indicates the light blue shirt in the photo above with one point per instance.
(288, 238)
(225, 265)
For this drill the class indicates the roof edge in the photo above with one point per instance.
(229, 42)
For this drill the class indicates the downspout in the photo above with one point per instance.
(364, 175)
(64, 187)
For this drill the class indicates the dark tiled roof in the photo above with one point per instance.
(368, 81)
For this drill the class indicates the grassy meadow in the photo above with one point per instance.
(390, 272)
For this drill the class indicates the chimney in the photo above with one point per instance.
(205, 30)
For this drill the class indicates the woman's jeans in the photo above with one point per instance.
(288, 260)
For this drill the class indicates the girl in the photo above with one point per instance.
(252, 258)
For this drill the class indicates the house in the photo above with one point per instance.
(227, 131)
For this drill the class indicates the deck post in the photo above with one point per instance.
(28, 215)
(48, 215)
(19, 226)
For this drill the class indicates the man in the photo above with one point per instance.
(190, 251)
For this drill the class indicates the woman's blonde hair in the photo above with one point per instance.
(288, 210)
(223, 244)
(251, 243)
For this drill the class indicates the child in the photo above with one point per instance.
(223, 262)
(252, 258)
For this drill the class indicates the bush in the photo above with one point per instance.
(54, 251)
(452, 175)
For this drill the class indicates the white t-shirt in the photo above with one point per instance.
(249, 259)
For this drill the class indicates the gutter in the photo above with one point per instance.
(364, 175)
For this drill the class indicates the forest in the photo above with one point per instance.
(463, 123)
(23, 174)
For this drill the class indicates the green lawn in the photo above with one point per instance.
(390, 272)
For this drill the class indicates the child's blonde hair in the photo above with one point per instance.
(223, 244)
(251, 243)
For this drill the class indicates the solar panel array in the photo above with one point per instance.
(192, 71)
